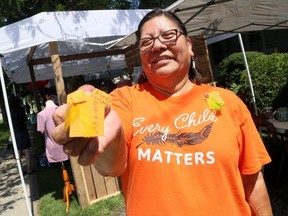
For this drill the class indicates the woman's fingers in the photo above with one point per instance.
(60, 135)
(75, 146)
(107, 110)
(60, 114)
(87, 88)
(89, 153)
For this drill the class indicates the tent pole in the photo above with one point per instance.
(248, 73)
(14, 89)
(13, 138)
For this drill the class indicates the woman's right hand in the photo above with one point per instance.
(107, 152)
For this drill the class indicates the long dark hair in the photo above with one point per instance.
(194, 75)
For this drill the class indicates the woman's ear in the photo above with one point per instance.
(189, 43)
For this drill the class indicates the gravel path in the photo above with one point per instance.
(12, 199)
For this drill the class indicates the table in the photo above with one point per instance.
(281, 127)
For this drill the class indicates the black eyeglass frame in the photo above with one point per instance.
(177, 34)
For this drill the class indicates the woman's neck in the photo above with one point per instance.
(173, 89)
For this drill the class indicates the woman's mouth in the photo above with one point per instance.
(161, 59)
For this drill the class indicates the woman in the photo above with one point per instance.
(189, 149)
(19, 119)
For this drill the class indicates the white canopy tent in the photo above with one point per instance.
(76, 32)
(215, 17)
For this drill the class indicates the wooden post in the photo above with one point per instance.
(57, 69)
(34, 87)
(201, 57)
(132, 59)
(32, 75)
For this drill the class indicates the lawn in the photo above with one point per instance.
(51, 202)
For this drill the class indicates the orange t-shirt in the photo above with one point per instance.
(184, 159)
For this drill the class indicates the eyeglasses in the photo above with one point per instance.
(166, 37)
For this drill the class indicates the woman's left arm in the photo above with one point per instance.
(257, 195)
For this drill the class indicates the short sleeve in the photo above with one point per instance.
(122, 105)
(253, 153)
(40, 122)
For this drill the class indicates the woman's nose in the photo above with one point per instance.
(158, 45)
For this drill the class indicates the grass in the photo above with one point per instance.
(51, 202)
(50, 205)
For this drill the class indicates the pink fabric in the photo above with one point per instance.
(45, 125)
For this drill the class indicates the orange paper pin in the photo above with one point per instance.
(85, 115)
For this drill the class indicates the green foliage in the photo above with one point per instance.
(4, 135)
(155, 3)
(233, 66)
(269, 75)
(235, 88)
(15, 10)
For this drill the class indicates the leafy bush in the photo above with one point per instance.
(269, 74)
(232, 67)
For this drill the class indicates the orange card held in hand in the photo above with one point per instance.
(85, 115)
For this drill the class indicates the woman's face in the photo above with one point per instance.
(165, 61)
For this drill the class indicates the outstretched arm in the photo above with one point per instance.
(108, 152)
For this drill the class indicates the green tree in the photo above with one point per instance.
(15, 10)
(155, 3)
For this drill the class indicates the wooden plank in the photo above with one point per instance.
(132, 64)
(32, 76)
(79, 184)
(201, 57)
(57, 69)
(100, 186)
(106, 197)
(88, 182)
(30, 54)
(200, 49)
(132, 58)
(34, 87)
(132, 53)
(65, 58)
(111, 185)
